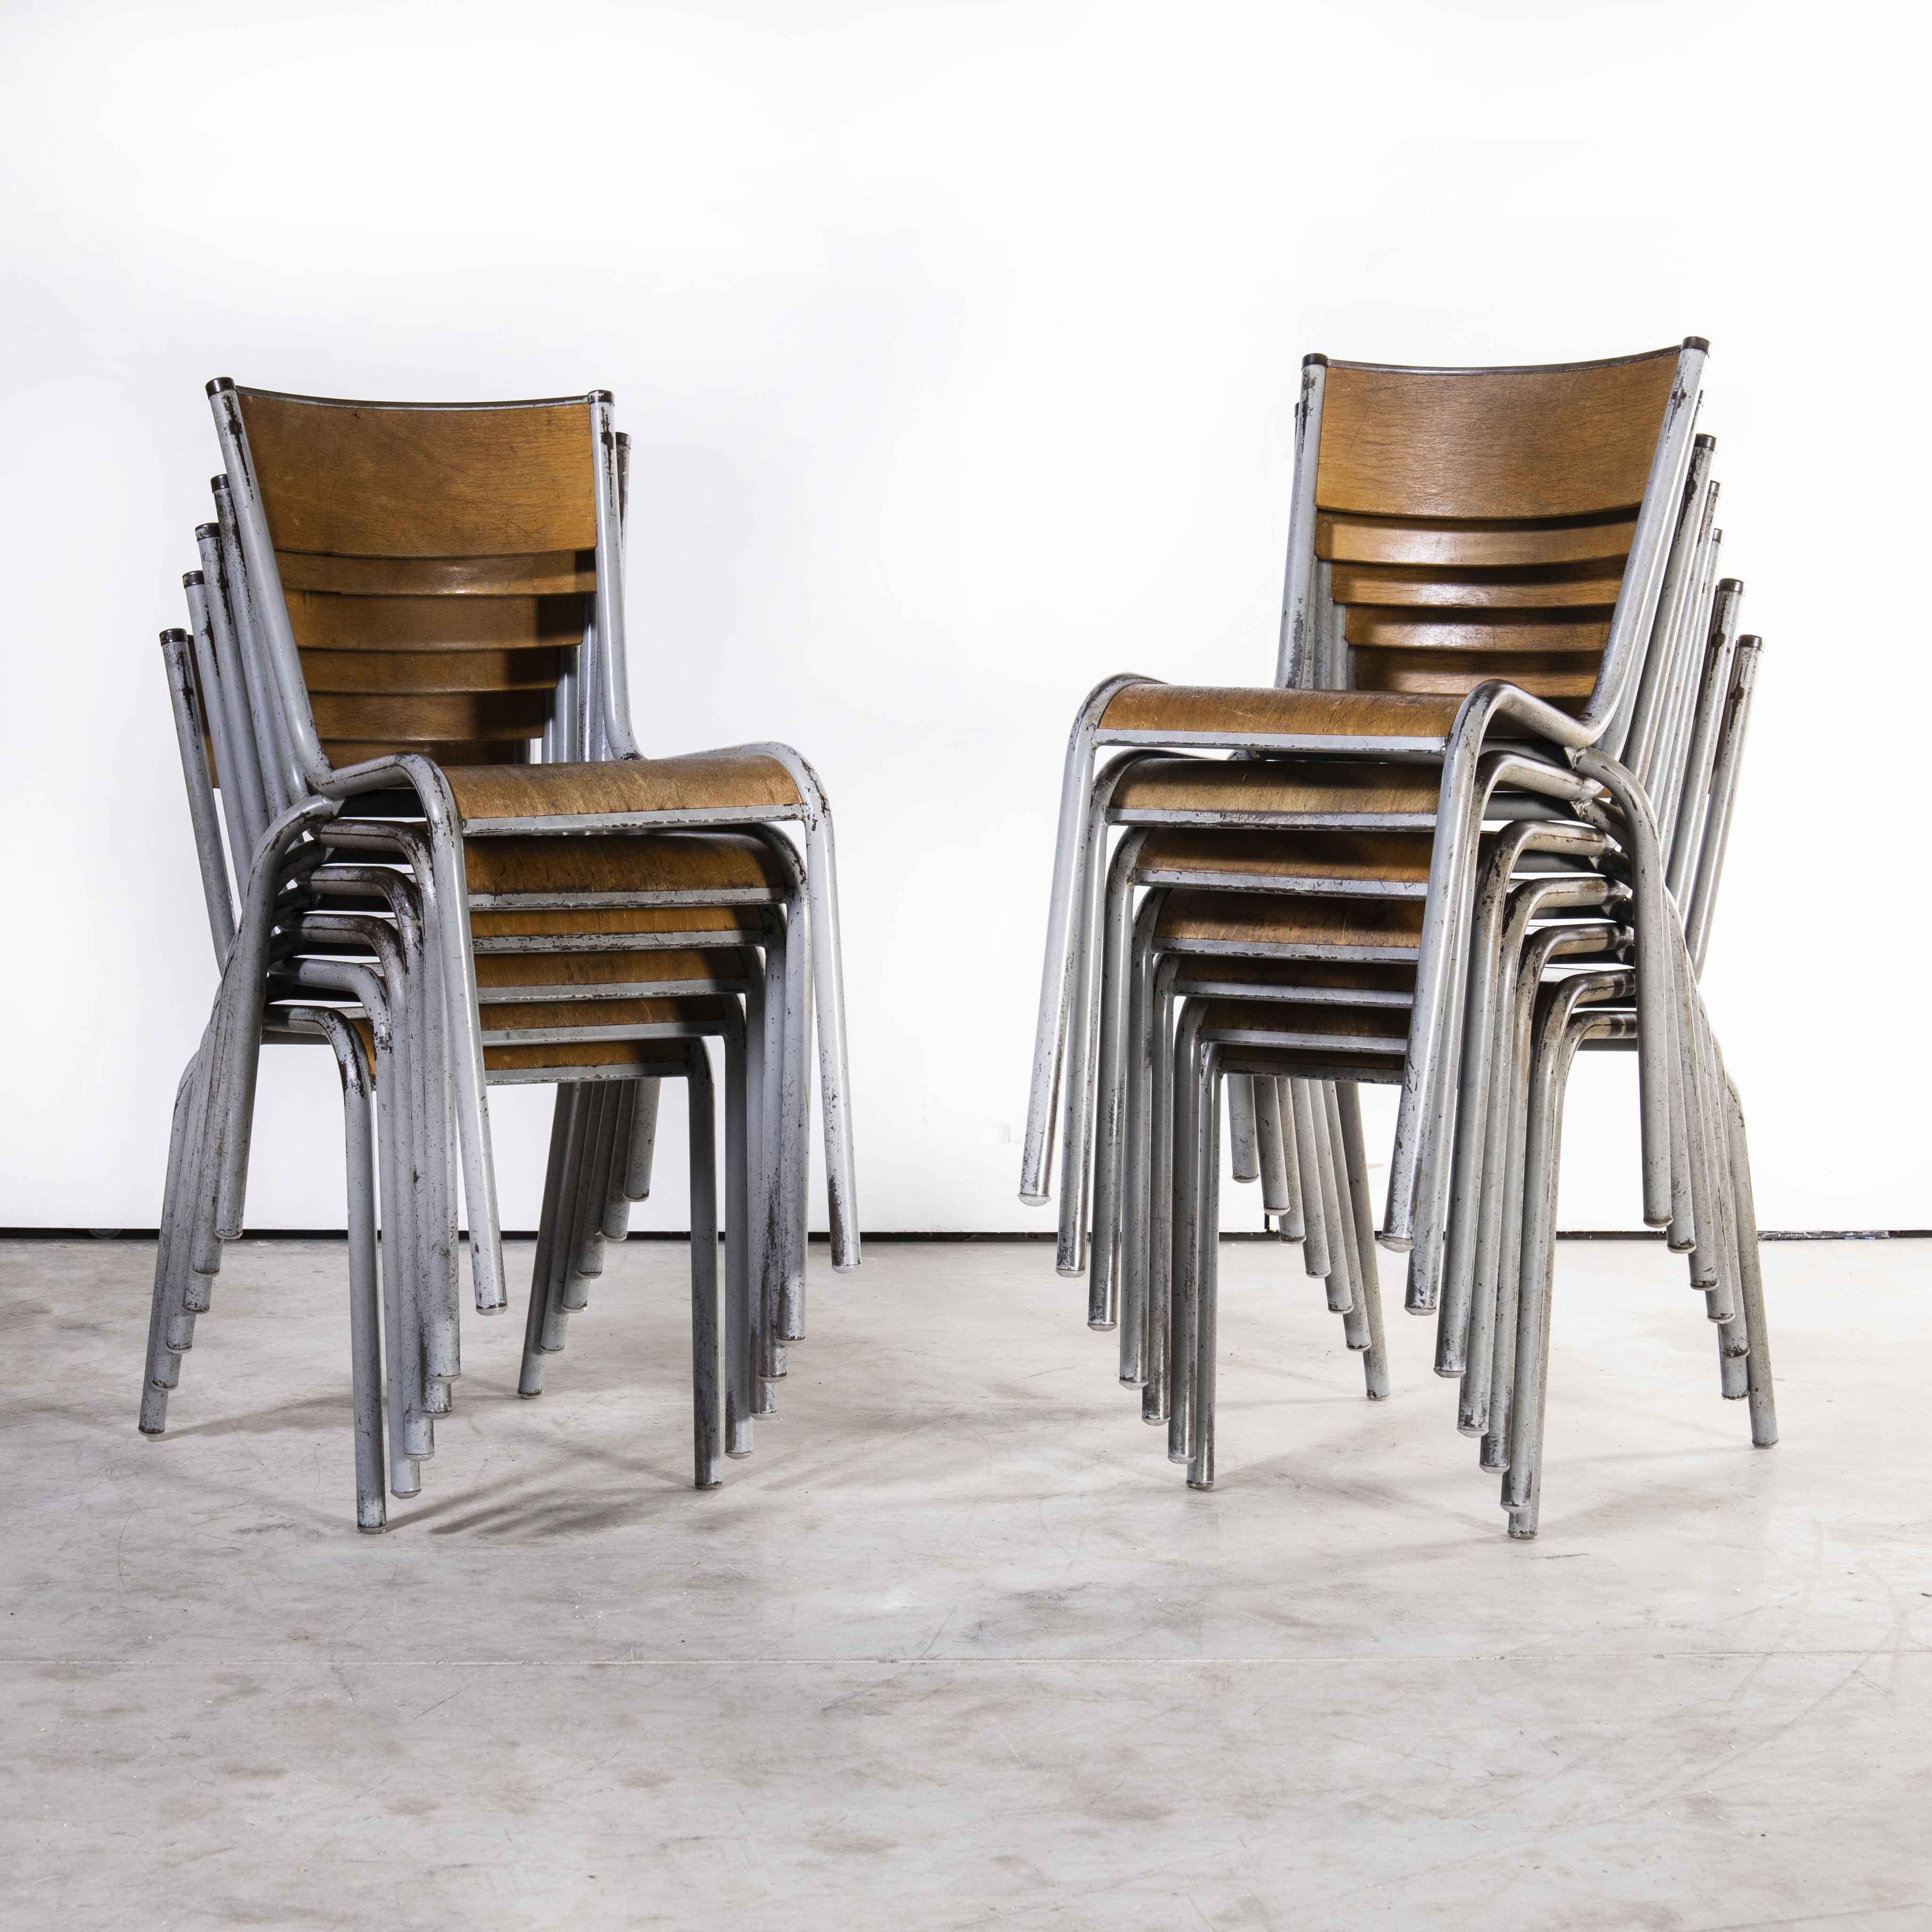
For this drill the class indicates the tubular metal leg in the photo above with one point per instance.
(1522, 1485)
(707, 1445)
(1243, 1130)
(742, 1387)
(162, 1366)
(644, 1142)
(1136, 1216)
(1157, 1395)
(1362, 1247)
(586, 1253)
(1293, 1224)
(365, 1342)
(1083, 1027)
(1204, 1293)
(1110, 1085)
(1270, 1152)
(617, 1217)
(1184, 1268)
(549, 1232)
(1315, 1257)
(1494, 1454)
(828, 979)
(1751, 1283)
(1341, 1288)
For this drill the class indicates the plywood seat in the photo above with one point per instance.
(1272, 1023)
(1315, 982)
(1391, 862)
(650, 1058)
(1155, 789)
(624, 865)
(514, 978)
(1310, 928)
(1404, 720)
(510, 1025)
(749, 782)
(501, 930)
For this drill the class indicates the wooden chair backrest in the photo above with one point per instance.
(435, 560)
(1476, 522)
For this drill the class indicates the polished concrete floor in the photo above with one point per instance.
(957, 1648)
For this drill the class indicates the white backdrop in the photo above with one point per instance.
(958, 346)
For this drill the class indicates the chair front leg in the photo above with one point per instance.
(707, 1441)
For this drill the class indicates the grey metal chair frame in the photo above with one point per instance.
(1501, 1342)
(1066, 991)
(572, 730)
(605, 674)
(419, 1373)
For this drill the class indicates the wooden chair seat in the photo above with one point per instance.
(1157, 788)
(1313, 927)
(1317, 982)
(503, 1024)
(1383, 861)
(624, 864)
(703, 781)
(1275, 1023)
(642, 1058)
(1406, 718)
(507, 978)
(500, 930)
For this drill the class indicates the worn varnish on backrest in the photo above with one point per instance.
(435, 560)
(1477, 522)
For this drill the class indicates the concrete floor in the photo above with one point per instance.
(957, 1648)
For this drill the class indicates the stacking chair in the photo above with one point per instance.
(431, 590)
(1345, 1023)
(475, 539)
(363, 1035)
(1492, 574)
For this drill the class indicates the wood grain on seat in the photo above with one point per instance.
(646, 1057)
(702, 780)
(606, 1015)
(1376, 929)
(1274, 785)
(1319, 980)
(1258, 709)
(624, 864)
(1270, 858)
(1353, 1029)
(500, 928)
(519, 975)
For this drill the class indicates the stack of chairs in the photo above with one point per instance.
(1476, 824)
(428, 839)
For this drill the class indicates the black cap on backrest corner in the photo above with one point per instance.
(206, 530)
(1706, 440)
(1697, 342)
(1315, 360)
(174, 636)
(218, 483)
(191, 576)
(1729, 584)
(600, 396)
(221, 383)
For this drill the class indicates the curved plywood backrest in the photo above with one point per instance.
(1504, 444)
(402, 480)
(1476, 522)
(437, 559)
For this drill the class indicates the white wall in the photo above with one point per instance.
(958, 344)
